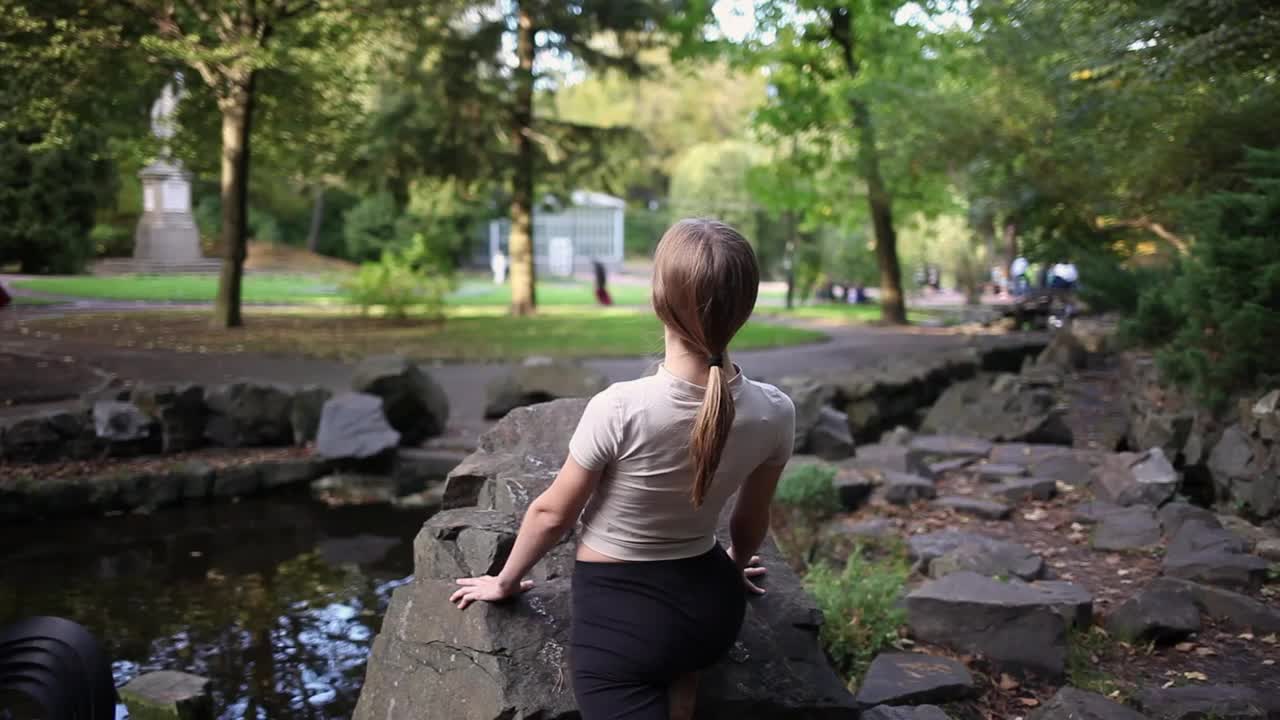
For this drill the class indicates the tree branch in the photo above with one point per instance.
(1178, 242)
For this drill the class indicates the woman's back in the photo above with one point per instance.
(638, 432)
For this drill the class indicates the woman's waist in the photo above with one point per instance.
(596, 546)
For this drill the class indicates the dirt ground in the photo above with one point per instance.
(26, 379)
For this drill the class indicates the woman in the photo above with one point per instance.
(650, 467)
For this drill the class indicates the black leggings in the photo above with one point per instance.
(638, 626)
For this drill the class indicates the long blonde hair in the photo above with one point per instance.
(705, 281)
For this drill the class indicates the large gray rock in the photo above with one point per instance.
(1021, 489)
(1013, 625)
(946, 551)
(120, 422)
(1155, 615)
(1235, 609)
(1211, 555)
(925, 448)
(168, 695)
(305, 414)
(1136, 479)
(1094, 511)
(881, 397)
(178, 409)
(246, 414)
(40, 437)
(1072, 704)
(854, 486)
(1245, 463)
(1016, 414)
(896, 678)
(1193, 702)
(413, 401)
(883, 457)
(904, 488)
(1174, 514)
(1073, 602)
(809, 397)
(919, 712)
(1130, 528)
(510, 660)
(977, 507)
(999, 472)
(537, 380)
(830, 439)
(352, 425)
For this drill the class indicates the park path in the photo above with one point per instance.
(464, 383)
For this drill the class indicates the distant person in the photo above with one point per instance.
(1018, 284)
(655, 597)
(860, 294)
(498, 263)
(5, 299)
(1063, 276)
(602, 292)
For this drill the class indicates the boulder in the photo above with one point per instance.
(510, 660)
(977, 507)
(1064, 353)
(830, 439)
(1155, 615)
(1018, 414)
(1238, 610)
(919, 712)
(1135, 479)
(1211, 555)
(1245, 465)
(1073, 602)
(999, 472)
(179, 410)
(1013, 625)
(39, 437)
(305, 414)
(246, 414)
(123, 427)
(354, 489)
(1020, 489)
(1268, 549)
(1174, 514)
(1130, 528)
(942, 467)
(414, 403)
(884, 457)
(809, 397)
(904, 488)
(854, 486)
(1072, 468)
(947, 551)
(925, 448)
(898, 678)
(1094, 511)
(880, 397)
(1193, 702)
(1072, 704)
(900, 435)
(538, 380)
(1248, 532)
(352, 425)
(168, 695)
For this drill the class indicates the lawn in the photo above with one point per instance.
(849, 313)
(267, 289)
(469, 334)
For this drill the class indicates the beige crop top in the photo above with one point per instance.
(637, 432)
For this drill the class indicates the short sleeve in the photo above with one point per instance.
(786, 438)
(595, 443)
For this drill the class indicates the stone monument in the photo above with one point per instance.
(167, 234)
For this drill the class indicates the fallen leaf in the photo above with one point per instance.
(1035, 515)
(1123, 571)
(1184, 647)
(1206, 652)
(1271, 639)
(1196, 675)
(1029, 702)
(1245, 636)
(1007, 682)
(1167, 685)
(1077, 527)
(1268, 661)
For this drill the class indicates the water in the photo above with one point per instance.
(275, 600)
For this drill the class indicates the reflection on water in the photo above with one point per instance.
(275, 600)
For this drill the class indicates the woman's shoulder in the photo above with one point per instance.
(779, 401)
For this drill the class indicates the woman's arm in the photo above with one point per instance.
(749, 522)
(549, 517)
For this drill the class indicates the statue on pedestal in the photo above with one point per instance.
(167, 233)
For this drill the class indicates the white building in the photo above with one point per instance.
(565, 242)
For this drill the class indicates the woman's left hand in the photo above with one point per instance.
(487, 588)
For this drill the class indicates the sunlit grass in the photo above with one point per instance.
(849, 313)
(270, 289)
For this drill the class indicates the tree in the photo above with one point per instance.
(231, 44)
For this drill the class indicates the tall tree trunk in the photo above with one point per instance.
(892, 307)
(317, 217)
(237, 120)
(1010, 245)
(789, 258)
(520, 245)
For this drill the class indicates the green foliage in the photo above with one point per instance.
(1215, 325)
(48, 199)
(402, 280)
(1109, 284)
(375, 225)
(1087, 648)
(111, 240)
(860, 606)
(808, 487)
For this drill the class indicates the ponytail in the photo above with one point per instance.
(710, 432)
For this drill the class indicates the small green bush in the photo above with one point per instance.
(397, 283)
(860, 606)
(808, 487)
(1107, 285)
(111, 240)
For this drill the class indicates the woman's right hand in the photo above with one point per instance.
(750, 569)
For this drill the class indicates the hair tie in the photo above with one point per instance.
(716, 361)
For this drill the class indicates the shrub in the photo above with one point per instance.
(111, 240)
(1215, 325)
(400, 281)
(808, 487)
(860, 606)
(373, 226)
(1108, 285)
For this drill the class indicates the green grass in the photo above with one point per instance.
(27, 300)
(1086, 649)
(267, 289)
(549, 294)
(475, 333)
